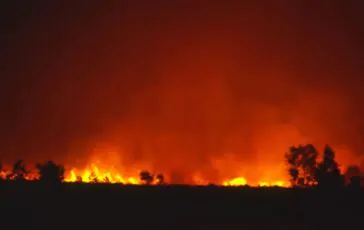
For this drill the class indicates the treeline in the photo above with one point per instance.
(51, 172)
(306, 170)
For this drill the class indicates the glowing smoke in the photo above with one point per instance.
(218, 91)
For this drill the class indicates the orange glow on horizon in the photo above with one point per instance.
(94, 174)
(205, 99)
(112, 170)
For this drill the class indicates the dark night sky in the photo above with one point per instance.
(180, 82)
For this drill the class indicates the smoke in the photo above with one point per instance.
(214, 89)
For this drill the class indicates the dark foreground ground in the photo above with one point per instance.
(72, 206)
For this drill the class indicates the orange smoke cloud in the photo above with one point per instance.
(203, 93)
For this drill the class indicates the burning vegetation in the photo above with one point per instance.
(304, 169)
(199, 94)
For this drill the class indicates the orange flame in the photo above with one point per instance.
(96, 172)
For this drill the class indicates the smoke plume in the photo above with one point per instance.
(186, 88)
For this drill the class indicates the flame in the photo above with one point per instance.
(8, 175)
(95, 174)
(108, 166)
(239, 181)
(112, 169)
(274, 183)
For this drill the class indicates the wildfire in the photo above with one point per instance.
(241, 181)
(95, 174)
(111, 169)
(8, 175)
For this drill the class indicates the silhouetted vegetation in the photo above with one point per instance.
(328, 173)
(19, 171)
(305, 171)
(160, 179)
(199, 203)
(146, 177)
(302, 165)
(50, 172)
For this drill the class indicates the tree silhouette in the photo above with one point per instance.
(293, 172)
(328, 172)
(50, 172)
(146, 177)
(309, 164)
(160, 179)
(292, 159)
(19, 171)
(302, 164)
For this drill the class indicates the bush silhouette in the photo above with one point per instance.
(328, 172)
(160, 179)
(146, 177)
(50, 172)
(19, 171)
